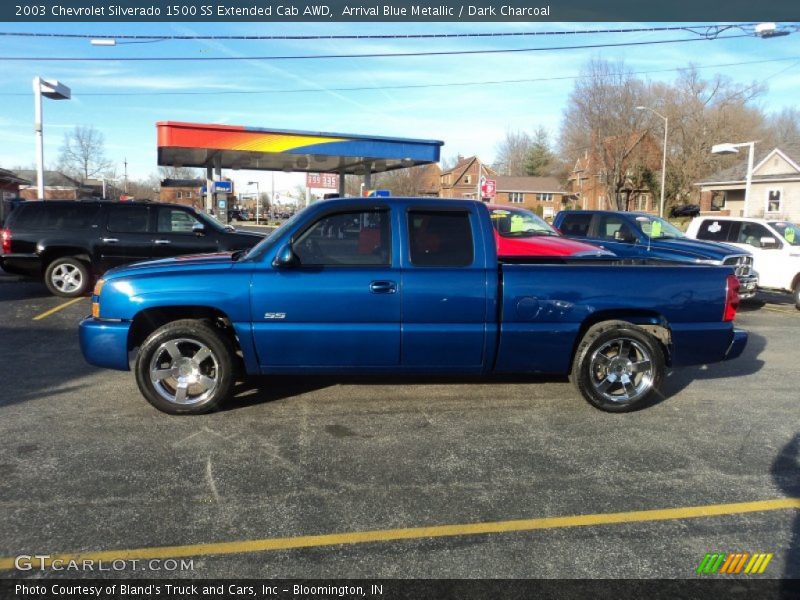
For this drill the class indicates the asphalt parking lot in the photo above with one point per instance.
(512, 477)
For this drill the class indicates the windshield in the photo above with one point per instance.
(789, 231)
(519, 223)
(657, 228)
(269, 241)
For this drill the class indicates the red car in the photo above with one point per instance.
(519, 232)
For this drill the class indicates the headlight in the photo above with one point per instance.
(98, 287)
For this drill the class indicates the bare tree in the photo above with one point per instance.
(783, 127)
(512, 152)
(83, 153)
(180, 173)
(601, 120)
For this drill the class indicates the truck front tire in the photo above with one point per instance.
(67, 277)
(185, 367)
(618, 366)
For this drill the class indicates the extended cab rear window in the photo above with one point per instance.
(440, 239)
(40, 216)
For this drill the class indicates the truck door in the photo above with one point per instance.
(124, 238)
(615, 233)
(444, 291)
(340, 306)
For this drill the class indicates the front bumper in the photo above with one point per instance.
(738, 344)
(105, 343)
(748, 285)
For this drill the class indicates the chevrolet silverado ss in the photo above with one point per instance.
(409, 286)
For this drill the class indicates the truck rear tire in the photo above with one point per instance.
(185, 367)
(618, 366)
(67, 277)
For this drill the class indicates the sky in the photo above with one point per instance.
(470, 119)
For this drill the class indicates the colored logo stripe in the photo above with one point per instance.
(732, 564)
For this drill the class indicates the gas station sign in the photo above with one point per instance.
(322, 180)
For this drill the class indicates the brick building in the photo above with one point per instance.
(543, 195)
(57, 186)
(463, 180)
(183, 191)
(637, 154)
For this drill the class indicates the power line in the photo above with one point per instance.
(707, 30)
(418, 86)
(338, 56)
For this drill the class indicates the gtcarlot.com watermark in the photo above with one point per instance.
(47, 562)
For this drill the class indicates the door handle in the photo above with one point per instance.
(383, 287)
(109, 240)
(161, 242)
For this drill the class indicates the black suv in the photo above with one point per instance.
(69, 243)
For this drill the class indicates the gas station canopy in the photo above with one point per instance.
(251, 148)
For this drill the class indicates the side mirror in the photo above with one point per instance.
(198, 229)
(230, 228)
(769, 243)
(286, 258)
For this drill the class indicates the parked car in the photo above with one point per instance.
(519, 232)
(400, 286)
(239, 214)
(69, 243)
(775, 246)
(684, 210)
(641, 235)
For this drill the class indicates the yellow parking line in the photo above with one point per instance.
(47, 313)
(413, 533)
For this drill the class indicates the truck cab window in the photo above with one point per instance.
(173, 220)
(346, 239)
(440, 239)
(576, 225)
(127, 219)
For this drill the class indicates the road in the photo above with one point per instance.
(88, 466)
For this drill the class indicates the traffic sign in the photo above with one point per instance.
(488, 187)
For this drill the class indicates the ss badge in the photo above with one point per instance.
(274, 315)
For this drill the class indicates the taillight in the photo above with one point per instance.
(731, 298)
(6, 235)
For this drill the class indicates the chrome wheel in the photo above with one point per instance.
(67, 278)
(184, 371)
(621, 370)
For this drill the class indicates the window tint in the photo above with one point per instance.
(576, 225)
(56, 216)
(127, 219)
(174, 220)
(614, 229)
(347, 239)
(715, 230)
(440, 239)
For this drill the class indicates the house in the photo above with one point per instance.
(10, 183)
(183, 191)
(774, 189)
(543, 195)
(463, 180)
(57, 186)
(637, 158)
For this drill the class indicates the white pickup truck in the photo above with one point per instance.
(775, 246)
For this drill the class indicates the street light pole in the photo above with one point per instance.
(727, 148)
(54, 91)
(663, 157)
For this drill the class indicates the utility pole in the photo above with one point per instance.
(125, 162)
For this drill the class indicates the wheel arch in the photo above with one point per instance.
(651, 321)
(52, 253)
(148, 320)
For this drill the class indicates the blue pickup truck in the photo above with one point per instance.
(404, 285)
(641, 235)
